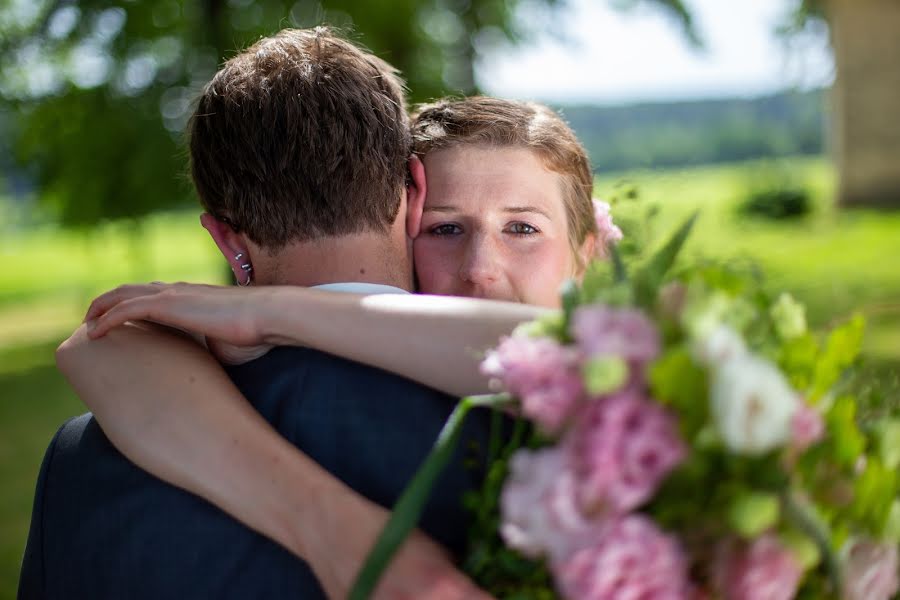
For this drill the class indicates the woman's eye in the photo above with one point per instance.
(445, 229)
(522, 229)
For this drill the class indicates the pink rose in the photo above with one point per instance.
(761, 570)
(543, 374)
(539, 511)
(608, 233)
(807, 427)
(623, 332)
(871, 571)
(623, 447)
(630, 559)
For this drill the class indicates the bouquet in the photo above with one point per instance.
(680, 435)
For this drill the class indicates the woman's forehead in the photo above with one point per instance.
(489, 175)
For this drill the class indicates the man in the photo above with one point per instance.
(300, 150)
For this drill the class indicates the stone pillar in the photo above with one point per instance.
(865, 103)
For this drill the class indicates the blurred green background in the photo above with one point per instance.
(94, 96)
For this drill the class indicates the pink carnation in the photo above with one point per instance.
(543, 374)
(871, 571)
(762, 570)
(631, 559)
(538, 505)
(623, 332)
(807, 427)
(623, 447)
(608, 233)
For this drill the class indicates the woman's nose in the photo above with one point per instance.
(481, 262)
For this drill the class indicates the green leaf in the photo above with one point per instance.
(874, 492)
(841, 349)
(649, 278)
(846, 440)
(887, 441)
(677, 381)
(412, 501)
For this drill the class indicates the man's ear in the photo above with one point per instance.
(416, 188)
(231, 244)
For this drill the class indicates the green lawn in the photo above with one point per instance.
(835, 262)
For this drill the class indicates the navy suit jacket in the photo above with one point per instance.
(104, 528)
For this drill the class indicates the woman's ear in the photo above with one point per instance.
(586, 253)
(416, 188)
(231, 244)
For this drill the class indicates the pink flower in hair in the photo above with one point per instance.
(622, 448)
(871, 571)
(764, 569)
(608, 233)
(624, 332)
(543, 374)
(631, 559)
(540, 515)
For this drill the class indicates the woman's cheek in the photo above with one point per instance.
(429, 261)
(539, 275)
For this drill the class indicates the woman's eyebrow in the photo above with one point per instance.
(526, 209)
(441, 209)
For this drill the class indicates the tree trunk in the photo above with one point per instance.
(866, 100)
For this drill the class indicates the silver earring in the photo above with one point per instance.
(246, 267)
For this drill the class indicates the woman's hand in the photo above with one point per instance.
(229, 317)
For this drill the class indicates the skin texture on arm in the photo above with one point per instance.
(434, 340)
(194, 429)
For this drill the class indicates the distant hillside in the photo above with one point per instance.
(699, 132)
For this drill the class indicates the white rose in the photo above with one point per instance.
(752, 404)
(719, 346)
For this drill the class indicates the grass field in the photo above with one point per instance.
(836, 262)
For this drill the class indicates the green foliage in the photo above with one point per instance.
(840, 351)
(100, 90)
(649, 278)
(846, 441)
(777, 204)
(697, 132)
(874, 491)
(101, 130)
(676, 380)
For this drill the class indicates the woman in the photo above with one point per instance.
(508, 216)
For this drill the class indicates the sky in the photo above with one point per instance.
(610, 57)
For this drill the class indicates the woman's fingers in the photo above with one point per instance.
(140, 308)
(106, 301)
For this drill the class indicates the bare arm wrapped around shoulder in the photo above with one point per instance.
(435, 340)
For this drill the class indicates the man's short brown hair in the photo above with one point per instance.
(486, 121)
(299, 137)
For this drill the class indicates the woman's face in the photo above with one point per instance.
(494, 226)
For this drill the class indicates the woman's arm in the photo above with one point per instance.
(167, 405)
(435, 340)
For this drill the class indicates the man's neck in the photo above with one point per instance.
(361, 258)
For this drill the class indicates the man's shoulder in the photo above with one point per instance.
(301, 368)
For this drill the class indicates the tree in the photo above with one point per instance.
(101, 89)
(865, 37)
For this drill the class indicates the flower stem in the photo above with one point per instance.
(412, 501)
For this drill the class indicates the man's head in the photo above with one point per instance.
(301, 138)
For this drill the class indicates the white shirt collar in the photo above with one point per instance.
(361, 288)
